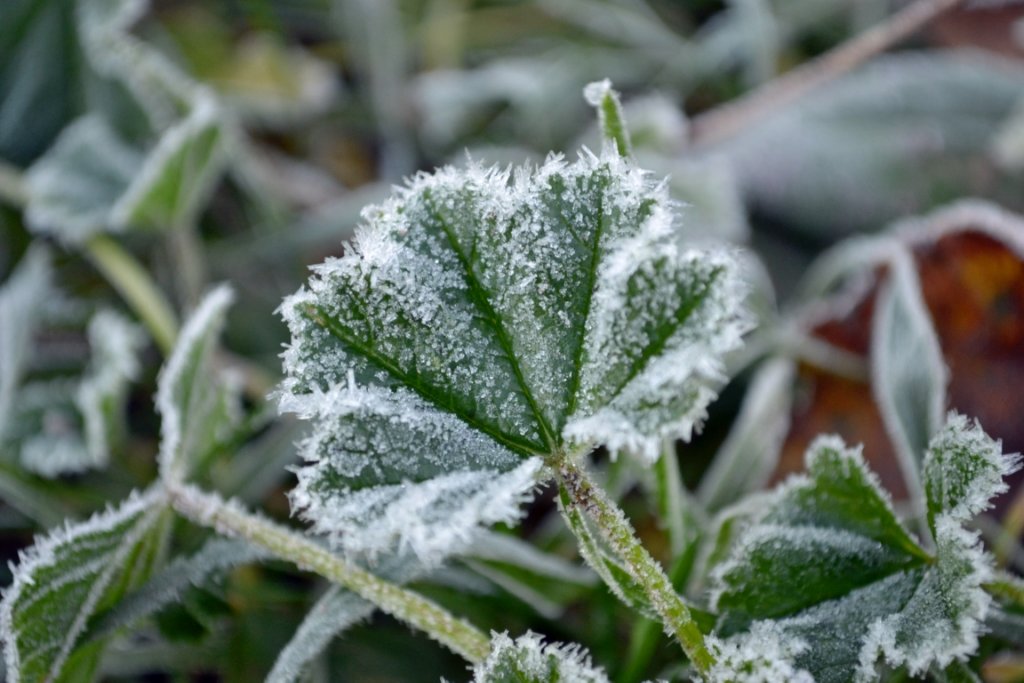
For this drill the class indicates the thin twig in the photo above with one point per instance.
(729, 119)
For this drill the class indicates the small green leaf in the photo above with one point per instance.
(827, 562)
(194, 399)
(485, 320)
(528, 660)
(71, 575)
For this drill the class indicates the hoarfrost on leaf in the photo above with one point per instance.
(70, 575)
(484, 319)
(528, 659)
(765, 654)
(827, 562)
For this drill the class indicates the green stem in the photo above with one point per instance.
(134, 284)
(609, 114)
(648, 574)
(230, 519)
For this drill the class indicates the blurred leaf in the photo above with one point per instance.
(40, 75)
(900, 135)
(750, 453)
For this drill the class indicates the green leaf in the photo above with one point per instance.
(196, 401)
(178, 175)
(528, 660)
(71, 575)
(40, 69)
(484, 320)
(827, 562)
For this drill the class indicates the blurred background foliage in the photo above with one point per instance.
(237, 140)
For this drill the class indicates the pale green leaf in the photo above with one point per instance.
(195, 398)
(485, 319)
(826, 561)
(528, 659)
(21, 303)
(115, 344)
(908, 372)
(71, 575)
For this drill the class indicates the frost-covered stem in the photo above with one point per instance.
(644, 569)
(232, 520)
(137, 288)
(12, 186)
(732, 118)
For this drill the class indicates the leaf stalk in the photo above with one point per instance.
(230, 519)
(616, 530)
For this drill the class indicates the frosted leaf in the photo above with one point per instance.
(178, 175)
(963, 470)
(826, 560)
(70, 575)
(92, 181)
(194, 398)
(115, 343)
(21, 299)
(72, 187)
(528, 659)
(482, 318)
(908, 373)
(765, 654)
(49, 429)
(170, 583)
(336, 611)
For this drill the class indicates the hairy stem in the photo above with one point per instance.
(137, 288)
(232, 520)
(643, 569)
(609, 115)
(732, 118)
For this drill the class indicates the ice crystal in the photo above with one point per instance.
(528, 658)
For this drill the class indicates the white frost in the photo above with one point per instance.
(529, 658)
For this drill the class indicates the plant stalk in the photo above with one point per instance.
(134, 284)
(230, 519)
(585, 495)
